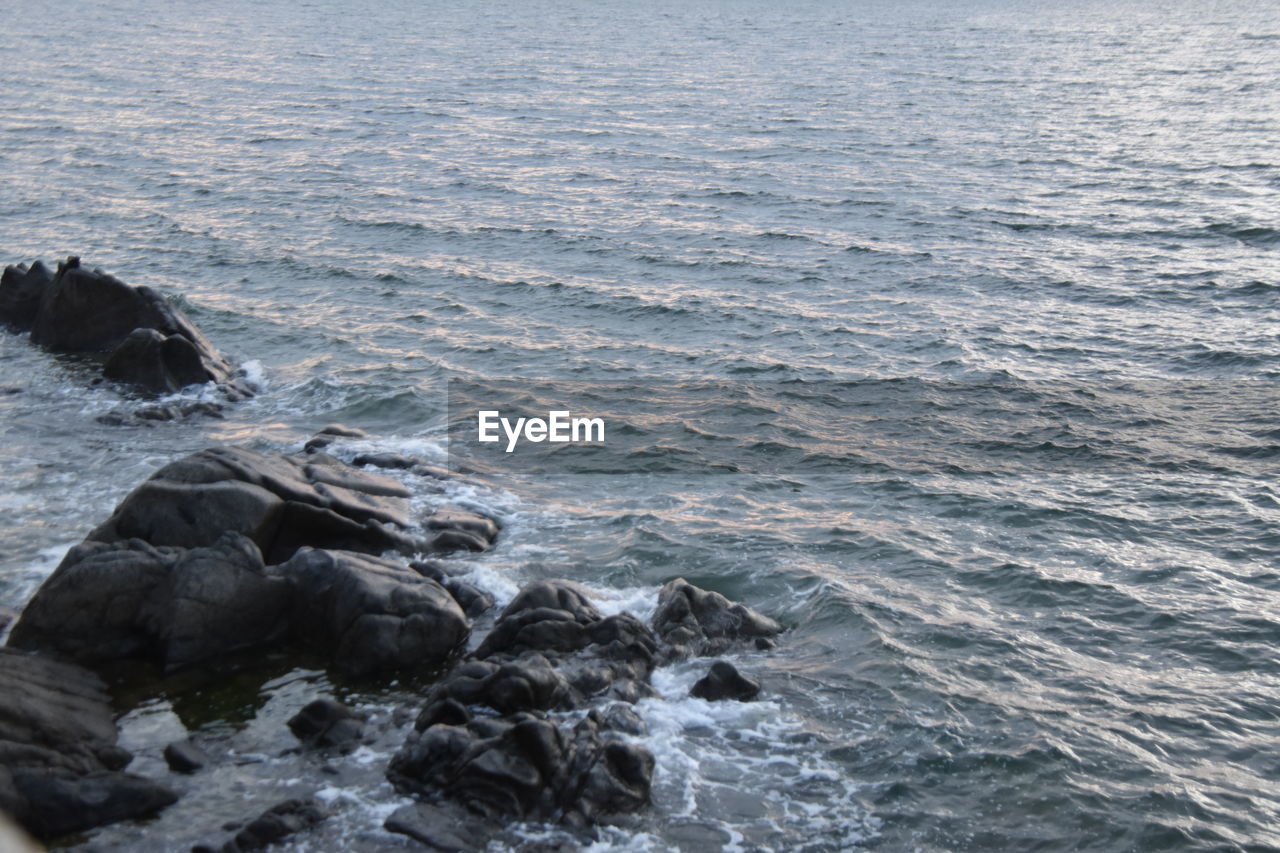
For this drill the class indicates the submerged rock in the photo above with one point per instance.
(21, 289)
(59, 762)
(185, 757)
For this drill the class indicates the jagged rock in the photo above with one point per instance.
(152, 343)
(185, 757)
(275, 824)
(21, 290)
(723, 681)
(525, 767)
(116, 600)
(59, 760)
(327, 723)
(371, 614)
(527, 683)
(693, 621)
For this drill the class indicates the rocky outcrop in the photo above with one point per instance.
(274, 825)
(59, 762)
(177, 575)
(147, 341)
(695, 622)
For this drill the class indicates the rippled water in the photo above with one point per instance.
(997, 283)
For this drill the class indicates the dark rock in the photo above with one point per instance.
(147, 415)
(115, 600)
(277, 823)
(152, 343)
(527, 683)
(694, 621)
(58, 752)
(724, 681)
(21, 290)
(278, 501)
(371, 614)
(441, 826)
(59, 802)
(549, 615)
(471, 599)
(385, 460)
(526, 767)
(343, 431)
(326, 723)
(185, 757)
(461, 521)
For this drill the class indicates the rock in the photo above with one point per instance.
(131, 600)
(724, 681)
(152, 343)
(21, 290)
(527, 683)
(275, 824)
(163, 364)
(185, 757)
(693, 621)
(371, 614)
(343, 431)
(441, 826)
(526, 767)
(385, 460)
(326, 723)
(280, 502)
(59, 760)
(148, 415)
(478, 528)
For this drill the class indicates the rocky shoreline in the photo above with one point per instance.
(233, 551)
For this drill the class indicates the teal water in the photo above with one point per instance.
(992, 287)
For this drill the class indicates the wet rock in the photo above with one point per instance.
(527, 683)
(21, 290)
(371, 614)
(526, 767)
(481, 529)
(724, 681)
(131, 600)
(275, 824)
(185, 757)
(471, 599)
(280, 502)
(395, 461)
(441, 826)
(152, 343)
(327, 724)
(147, 415)
(343, 431)
(694, 621)
(59, 760)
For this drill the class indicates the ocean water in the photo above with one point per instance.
(962, 320)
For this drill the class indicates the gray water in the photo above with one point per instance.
(980, 297)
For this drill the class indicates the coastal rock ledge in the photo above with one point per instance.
(232, 549)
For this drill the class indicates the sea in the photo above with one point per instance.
(947, 333)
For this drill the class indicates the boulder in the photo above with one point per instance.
(59, 762)
(724, 681)
(371, 614)
(21, 291)
(445, 826)
(280, 502)
(109, 601)
(693, 621)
